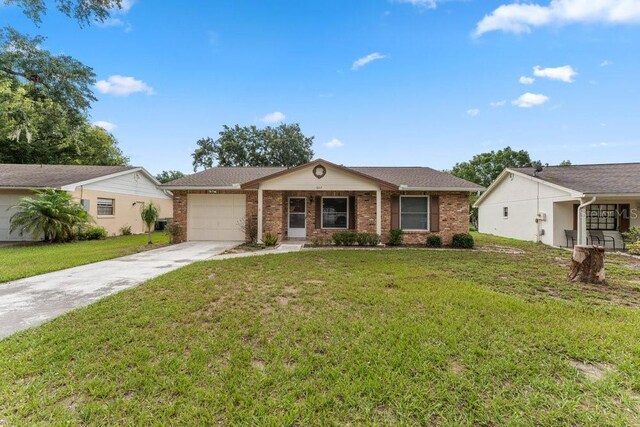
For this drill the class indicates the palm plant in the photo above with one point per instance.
(52, 214)
(150, 213)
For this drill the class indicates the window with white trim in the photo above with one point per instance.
(414, 213)
(105, 206)
(335, 212)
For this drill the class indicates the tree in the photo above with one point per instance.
(150, 213)
(484, 168)
(51, 213)
(83, 11)
(284, 145)
(167, 176)
(60, 78)
(565, 163)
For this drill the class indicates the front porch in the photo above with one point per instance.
(600, 221)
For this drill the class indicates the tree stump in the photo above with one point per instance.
(587, 264)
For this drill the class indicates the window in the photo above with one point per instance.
(105, 206)
(335, 212)
(414, 212)
(602, 217)
(505, 212)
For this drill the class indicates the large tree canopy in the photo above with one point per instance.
(59, 78)
(83, 11)
(284, 145)
(484, 168)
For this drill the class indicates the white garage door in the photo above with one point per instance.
(6, 201)
(216, 216)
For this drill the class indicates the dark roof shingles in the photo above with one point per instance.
(421, 177)
(614, 178)
(52, 176)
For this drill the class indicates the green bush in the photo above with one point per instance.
(92, 232)
(270, 239)
(396, 237)
(634, 248)
(125, 230)
(633, 235)
(173, 231)
(367, 239)
(344, 238)
(462, 241)
(434, 241)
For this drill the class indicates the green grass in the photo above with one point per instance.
(36, 258)
(335, 337)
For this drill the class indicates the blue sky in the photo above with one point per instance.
(438, 81)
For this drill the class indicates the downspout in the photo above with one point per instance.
(582, 226)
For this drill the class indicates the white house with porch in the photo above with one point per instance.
(563, 205)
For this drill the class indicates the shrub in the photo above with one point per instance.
(434, 241)
(92, 232)
(125, 230)
(270, 239)
(462, 241)
(367, 239)
(396, 237)
(345, 238)
(634, 248)
(173, 231)
(249, 228)
(633, 235)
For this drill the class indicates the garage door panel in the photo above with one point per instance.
(216, 216)
(6, 202)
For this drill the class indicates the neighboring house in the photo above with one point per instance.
(113, 195)
(543, 205)
(318, 199)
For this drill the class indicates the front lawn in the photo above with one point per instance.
(32, 259)
(331, 337)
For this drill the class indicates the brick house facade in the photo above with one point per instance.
(266, 200)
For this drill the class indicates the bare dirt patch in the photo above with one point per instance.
(456, 367)
(258, 364)
(593, 371)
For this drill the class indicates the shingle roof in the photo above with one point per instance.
(616, 178)
(223, 176)
(52, 176)
(417, 177)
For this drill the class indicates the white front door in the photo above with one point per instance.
(297, 217)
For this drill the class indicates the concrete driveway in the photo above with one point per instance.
(29, 302)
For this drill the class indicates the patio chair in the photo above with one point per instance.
(571, 235)
(601, 238)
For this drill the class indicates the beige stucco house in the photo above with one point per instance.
(563, 205)
(113, 195)
(318, 199)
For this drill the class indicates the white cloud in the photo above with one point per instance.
(473, 112)
(126, 5)
(606, 63)
(524, 80)
(108, 126)
(123, 85)
(563, 74)
(500, 103)
(522, 17)
(274, 117)
(114, 23)
(334, 143)
(361, 62)
(429, 4)
(529, 100)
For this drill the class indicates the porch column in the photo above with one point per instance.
(260, 215)
(582, 222)
(379, 212)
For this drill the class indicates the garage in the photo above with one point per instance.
(216, 216)
(6, 202)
